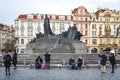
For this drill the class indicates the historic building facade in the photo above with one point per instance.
(28, 25)
(6, 35)
(82, 18)
(103, 31)
(99, 28)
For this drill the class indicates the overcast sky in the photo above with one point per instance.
(10, 9)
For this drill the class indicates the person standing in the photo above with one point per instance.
(14, 59)
(47, 60)
(80, 62)
(112, 61)
(38, 62)
(7, 62)
(103, 62)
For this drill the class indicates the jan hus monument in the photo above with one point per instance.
(66, 42)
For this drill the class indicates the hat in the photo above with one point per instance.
(112, 51)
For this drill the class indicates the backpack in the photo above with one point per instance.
(43, 66)
(8, 59)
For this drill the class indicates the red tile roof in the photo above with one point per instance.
(35, 16)
(22, 16)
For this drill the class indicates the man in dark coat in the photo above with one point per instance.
(7, 63)
(103, 62)
(38, 62)
(14, 59)
(47, 60)
(112, 61)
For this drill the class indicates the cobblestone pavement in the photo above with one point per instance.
(26, 73)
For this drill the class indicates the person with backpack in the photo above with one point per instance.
(14, 59)
(7, 62)
(38, 62)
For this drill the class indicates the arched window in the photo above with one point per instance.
(94, 50)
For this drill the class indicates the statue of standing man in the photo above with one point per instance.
(47, 29)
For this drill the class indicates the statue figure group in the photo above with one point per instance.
(72, 33)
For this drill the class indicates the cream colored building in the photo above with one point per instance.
(103, 27)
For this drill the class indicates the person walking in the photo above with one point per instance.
(47, 60)
(112, 61)
(38, 62)
(103, 62)
(14, 59)
(80, 62)
(7, 62)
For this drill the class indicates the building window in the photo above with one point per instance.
(100, 41)
(30, 32)
(93, 19)
(100, 19)
(86, 33)
(22, 50)
(114, 33)
(53, 25)
(75, 18)
(81, 19)
(86, 26)
(107, 41)
(53, 17)
(22, 23)
(85, 19)
(93, 33)
(22, 41)
(86, 42)
(29, 24)
(81, 27)
(17, 32)
(62, 17)
(114, 26)
(22, 33)
(61, 25)
(30, 16)
(94, 41)
(93, 26)
(69, 17)
(114, 19)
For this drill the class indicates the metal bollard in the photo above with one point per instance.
(24, 61)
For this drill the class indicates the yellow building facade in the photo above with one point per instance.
(103, 31)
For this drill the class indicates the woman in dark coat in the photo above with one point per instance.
(80, 62)
(112, 61)
(14, 60)
(7, 63)
(103, 62)
(38, 62)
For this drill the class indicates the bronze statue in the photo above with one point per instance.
(47, 29)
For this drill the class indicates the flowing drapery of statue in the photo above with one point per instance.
(47, 29)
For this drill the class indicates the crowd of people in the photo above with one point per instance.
(45, 64)
(104, 59)
(74, 65)
(39, 62)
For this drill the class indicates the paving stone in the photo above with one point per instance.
(26, 73)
